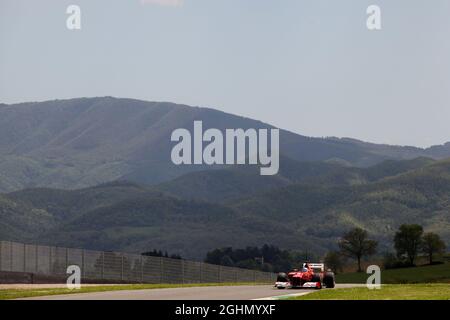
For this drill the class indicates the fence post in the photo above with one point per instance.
(67, 259)
(1, 255)
(182, 272)
(220, 276)
(11, 256)
(36, 255)
(142, 269)
(121, 266)
(50, 259)
(24, 257)
(103, 264)
(161, 270)
(82, 264)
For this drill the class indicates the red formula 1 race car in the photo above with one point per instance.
(311, 275)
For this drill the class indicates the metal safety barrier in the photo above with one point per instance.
(119, 266)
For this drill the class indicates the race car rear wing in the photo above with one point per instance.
(320, 266)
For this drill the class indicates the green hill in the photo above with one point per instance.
(419, 196)
(127, 216)
(245, 181)
(83, 142)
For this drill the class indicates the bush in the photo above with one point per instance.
(390, 261)
(334, 261)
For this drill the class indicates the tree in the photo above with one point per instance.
(159, 253)
(355, 244)
(432, 244)
(267, 257)
(333, 260)
(226, 261)
(407, 241)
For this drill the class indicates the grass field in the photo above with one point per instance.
(387, 292)
(424, 274)
(6, 294)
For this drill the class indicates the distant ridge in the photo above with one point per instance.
(83, 142)
(305, 212)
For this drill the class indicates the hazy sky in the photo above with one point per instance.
(308, 66)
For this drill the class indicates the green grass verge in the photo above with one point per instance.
(387, 292)
(424, 274)
(6, 294)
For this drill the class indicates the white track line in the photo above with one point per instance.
(285, 296)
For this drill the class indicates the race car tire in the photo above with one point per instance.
(315, 278)
(282, 277)
(329, 280)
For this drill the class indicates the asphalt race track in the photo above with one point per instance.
(191, 293)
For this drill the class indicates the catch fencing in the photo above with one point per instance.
(118, 266)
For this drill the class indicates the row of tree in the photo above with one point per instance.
(267, 258)
(159, 253)
(409, 241)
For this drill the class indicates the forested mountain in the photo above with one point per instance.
(77, 143)
(291, 215)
